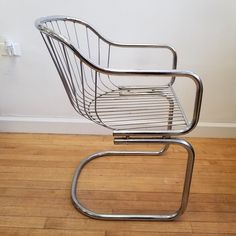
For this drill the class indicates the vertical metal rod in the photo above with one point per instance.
(76, 36)
(83, 89)
(174, 65)
(108, 65)
(59, 69)
(69, 67)
(95, 97)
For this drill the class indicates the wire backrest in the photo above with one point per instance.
(66, 38)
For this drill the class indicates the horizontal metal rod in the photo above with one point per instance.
(149, 121)
(138, 111)
(144, 95)
(122, 119)
(144, 114)
(140, 128)
(139, 101)
(135, 107)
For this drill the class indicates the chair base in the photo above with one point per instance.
(145, 217)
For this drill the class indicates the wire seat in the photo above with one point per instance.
(140, 106)
(154, 108)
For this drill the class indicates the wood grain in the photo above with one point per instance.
(36, 172)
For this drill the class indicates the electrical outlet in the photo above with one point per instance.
(3, 51)
(9, 48)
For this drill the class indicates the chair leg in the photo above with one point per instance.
(157, 217)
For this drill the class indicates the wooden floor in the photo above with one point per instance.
(36, 172)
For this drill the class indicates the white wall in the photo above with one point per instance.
(203, 32)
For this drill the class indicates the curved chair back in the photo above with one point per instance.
(74, 46)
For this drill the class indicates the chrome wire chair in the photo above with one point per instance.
(144, 111)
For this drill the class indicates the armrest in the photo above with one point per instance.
(144, 46)
(164, 73)
(170, 48)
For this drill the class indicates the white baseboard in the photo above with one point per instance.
(50, 125)
(214, 130)
(82, 126)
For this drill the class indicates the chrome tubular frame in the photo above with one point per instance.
(162, 217)
(136, 114)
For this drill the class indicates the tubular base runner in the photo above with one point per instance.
(163, 217)
(146, 111)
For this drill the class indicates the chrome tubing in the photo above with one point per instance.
(144, 217)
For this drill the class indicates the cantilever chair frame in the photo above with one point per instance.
(126, 136)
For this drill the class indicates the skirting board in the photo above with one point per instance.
(82, 126)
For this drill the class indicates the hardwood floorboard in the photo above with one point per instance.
(35, 179)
